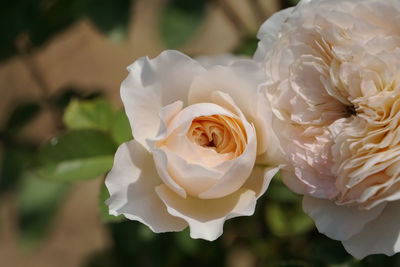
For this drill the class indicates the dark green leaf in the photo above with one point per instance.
(15, 19)
(21, 115)
(104, 211)
(111, 17)
(38, 202)
(55, 17)
(68, 93)
(180, 19)
(77, 155)
(15, 160)
(121, 130)
(89, 114)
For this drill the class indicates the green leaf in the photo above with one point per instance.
(53, 17)
(76, 155)
(121, 130)
(15, 160)
(21, 115)
(15, 19)
(38, 202)
(104, 211)
(180, 19)
(89, 114)
(287, 220)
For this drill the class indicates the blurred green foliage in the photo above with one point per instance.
(76, 155)
(180, 19)
(247, 47)
(38, 201)
(40, 20)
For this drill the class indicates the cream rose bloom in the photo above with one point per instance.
(334, 87)
(198, 132)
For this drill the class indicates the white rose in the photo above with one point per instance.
(334, 88)
(197, 133)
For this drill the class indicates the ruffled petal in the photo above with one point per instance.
(206, 217)
(131, 184)
(153, 84)
(268, 32)
(338, 222)
(381, 235)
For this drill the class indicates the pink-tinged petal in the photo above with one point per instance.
(268, 32)
(290, 179)
(338, 222)
(131, 183)
(381, 235)
(206, 217)
(153, 84)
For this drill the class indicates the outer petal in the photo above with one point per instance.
(381, 235)
(206, 217)
(152, 84)
(268, 32)
(131, 184)
(338, 222)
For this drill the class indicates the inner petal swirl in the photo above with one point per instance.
(222, 133)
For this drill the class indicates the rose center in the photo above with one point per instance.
(350, 111)
(222, 133)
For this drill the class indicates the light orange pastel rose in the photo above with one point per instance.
(198, 134)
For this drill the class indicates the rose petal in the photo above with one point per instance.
(206, 217)
(152, 84)
(338, 222)
(161, 164)
(194, 178)
(381, 235)
(131, 184)
(268, 32)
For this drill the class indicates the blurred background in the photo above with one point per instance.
(61, 119)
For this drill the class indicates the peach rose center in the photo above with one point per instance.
(222, 133)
